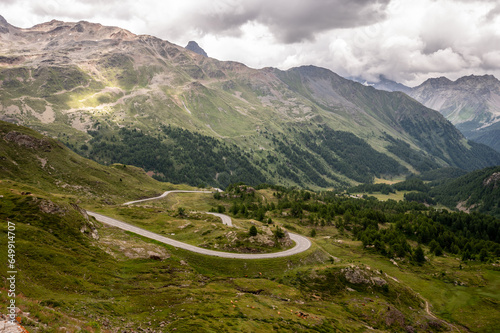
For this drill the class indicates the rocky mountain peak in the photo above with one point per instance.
(4, 25)
(47, 26)
(193, 46)
(3, 21)
(471, 103)
(436, 82)
(477, 79)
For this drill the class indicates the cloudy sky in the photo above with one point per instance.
(405, 40)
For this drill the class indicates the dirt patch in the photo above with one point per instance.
(11, 110)
(47, 117)
(123, 247)
(462, 206)
(43, 161)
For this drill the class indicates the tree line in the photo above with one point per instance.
(386, 227)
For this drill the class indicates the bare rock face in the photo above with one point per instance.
(4, 25)
(356, 275)
(379, 282)
(132, 249)
(28, 141)
(8, 326)
(263, 240)
(88, 227)
(232, 237)
(155, 255)
(49, 207)
(471, 103)
(11, 327)
(394, 316)
(286, 240)
(193, 46)
(492, 180)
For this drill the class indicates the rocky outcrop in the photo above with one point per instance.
(49, 207)
(11, 327)
(492, 180)
(88, 227)
(8, 326)
(193, 46)
(356, 275)
(263, 239)
(28, 141)
(286, 240)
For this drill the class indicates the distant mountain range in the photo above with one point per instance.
(471, 103)
(115, 96)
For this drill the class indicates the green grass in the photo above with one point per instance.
(398, 196)
(69, 279)
(474, 305)
(388, 181)
(56, 169)
(65, 277)
(195, 228)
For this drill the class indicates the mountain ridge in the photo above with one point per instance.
(471, 103)
(99, 83)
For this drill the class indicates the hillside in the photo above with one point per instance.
(475, 191)
(30, 160)
(383, 83)
(471, 103)
(117, 97)
(371, 262)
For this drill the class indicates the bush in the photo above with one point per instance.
(181, 211)
(419, 255)
(438, 251)
(253, 231)
(279, 233)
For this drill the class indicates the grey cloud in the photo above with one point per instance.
(493, 13)
(374, 37)
(226, 20)
(293, 21)
(82, 10)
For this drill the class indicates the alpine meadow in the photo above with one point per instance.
(148, 187)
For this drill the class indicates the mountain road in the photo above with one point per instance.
(301, 242)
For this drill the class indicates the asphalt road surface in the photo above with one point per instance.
(301, 242)
(164, 195)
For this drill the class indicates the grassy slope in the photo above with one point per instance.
(36, 161)
(68, 279)
(188, 291)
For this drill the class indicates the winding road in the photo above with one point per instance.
(301, 242)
